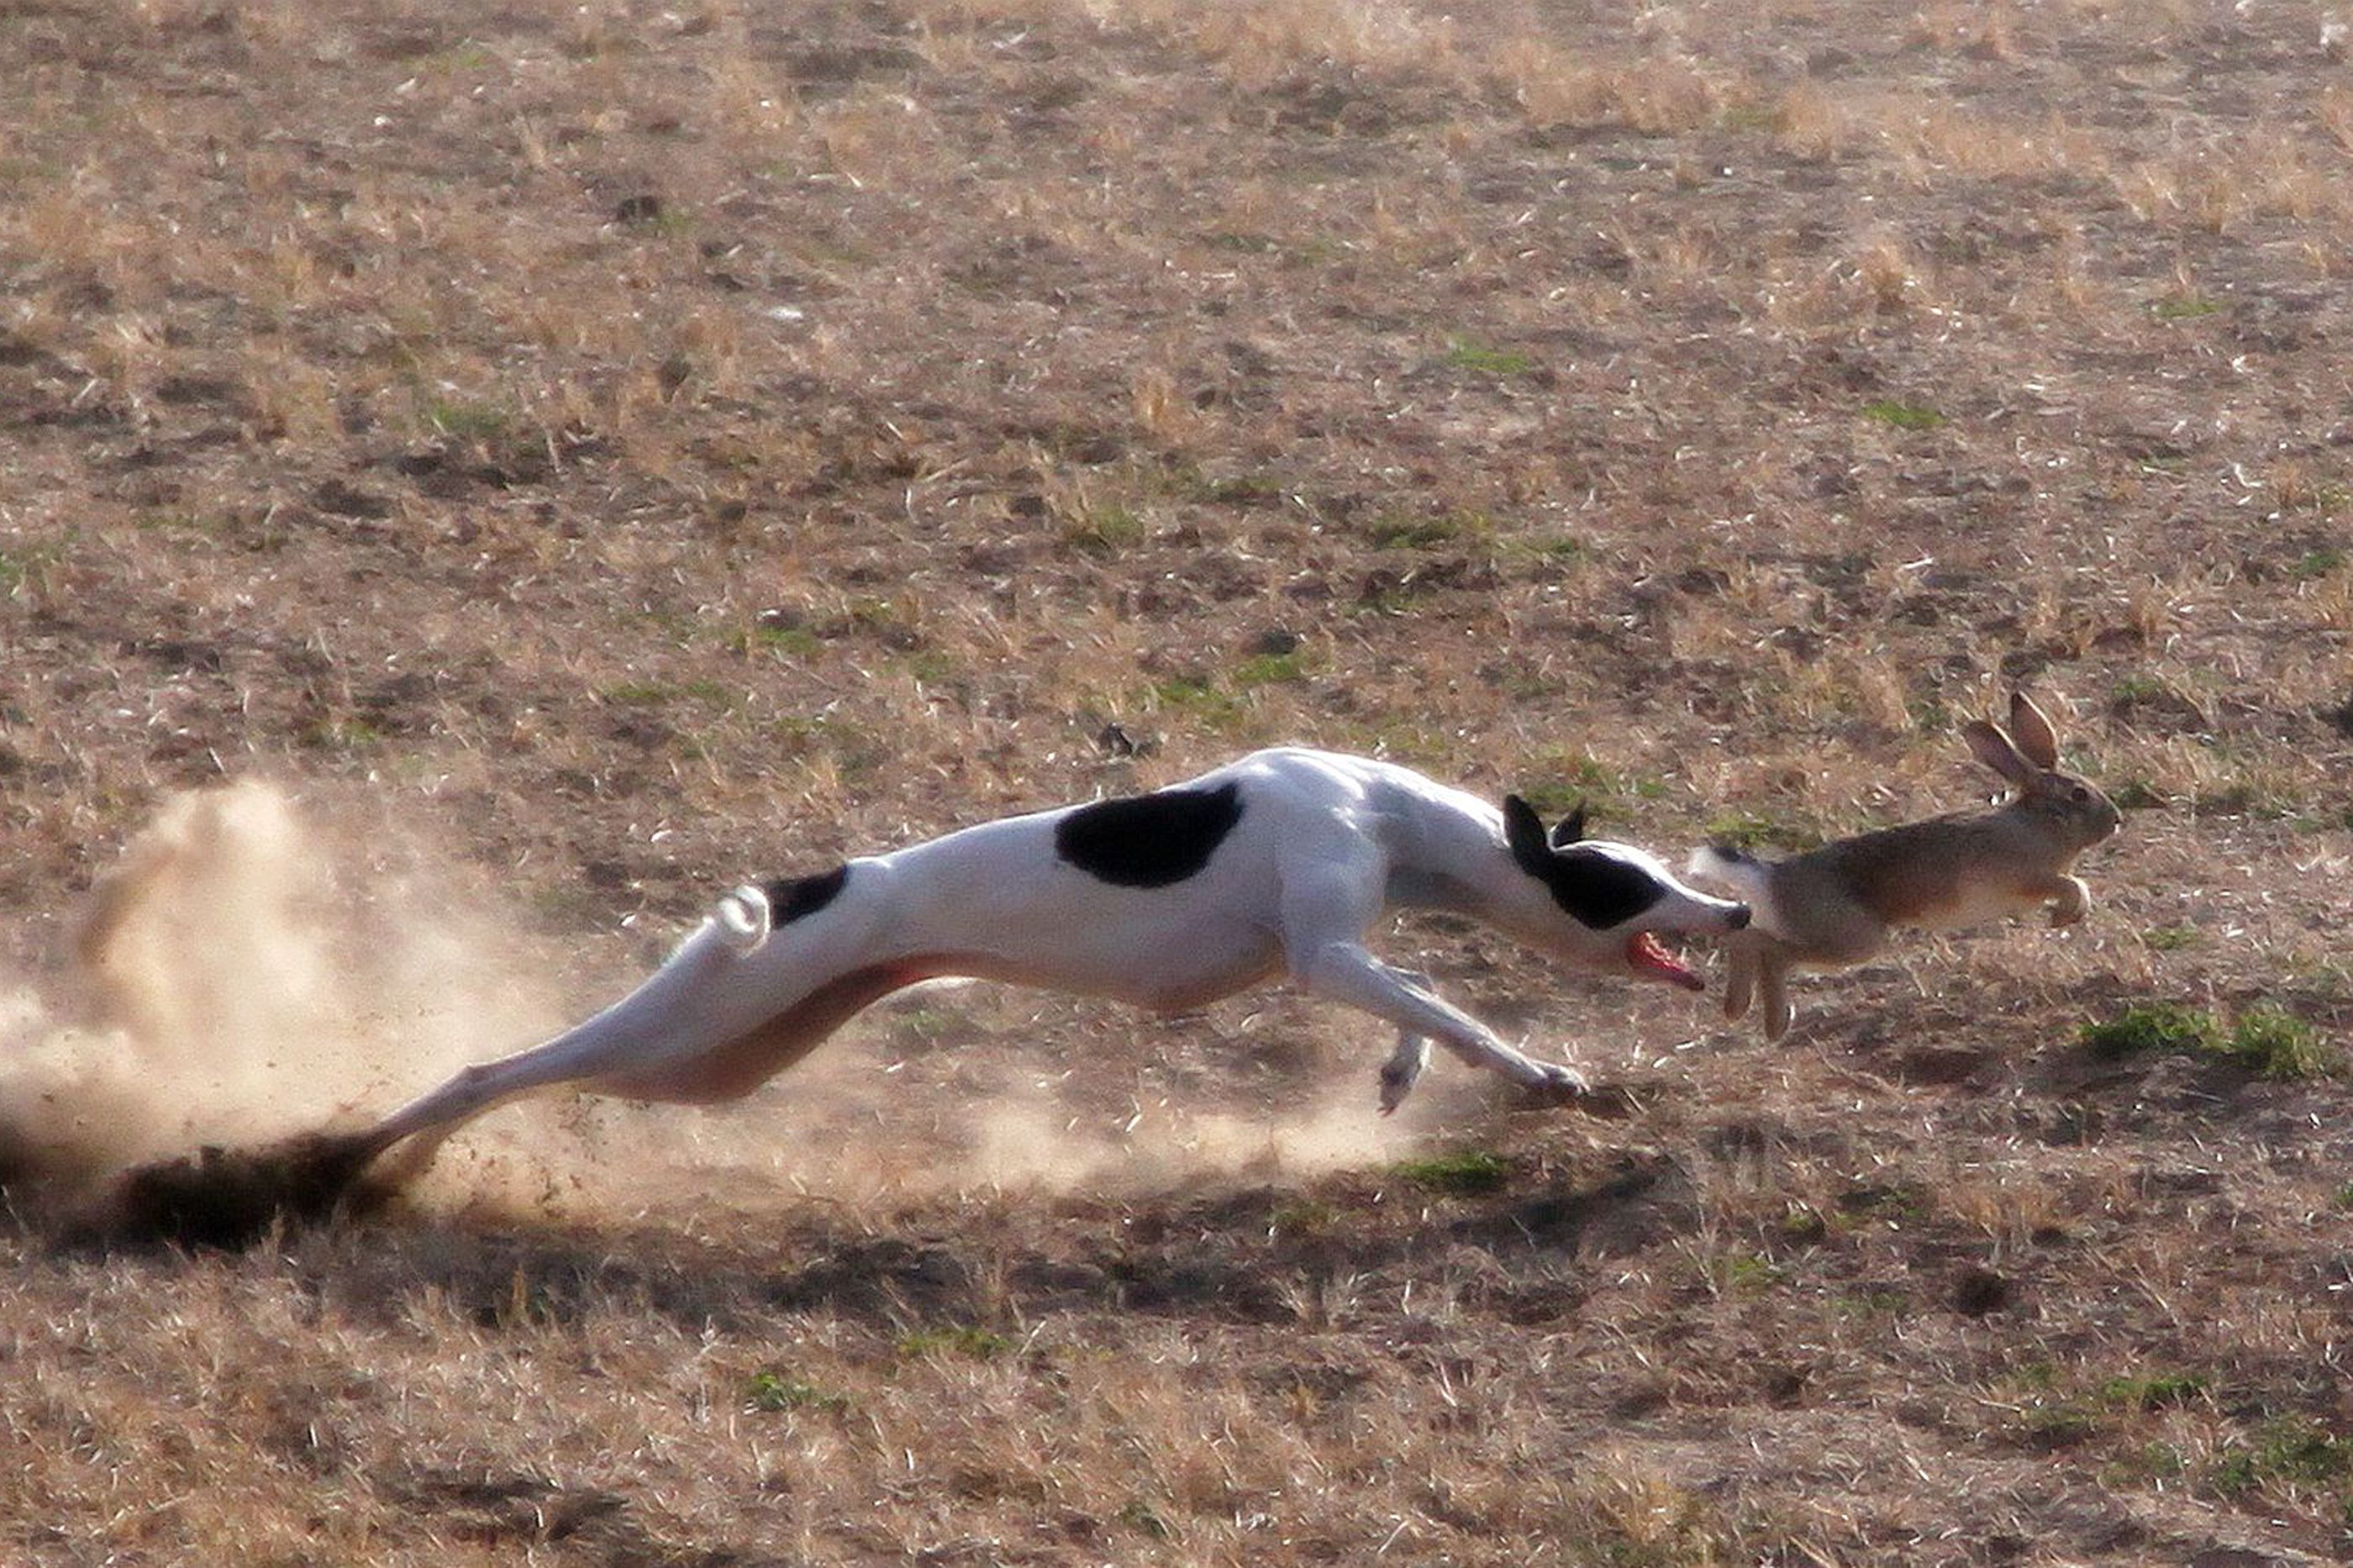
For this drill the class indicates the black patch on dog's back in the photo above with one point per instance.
(1599, 888)
(790, 898)
(1149, 840)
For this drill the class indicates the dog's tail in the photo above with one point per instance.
(744, 919)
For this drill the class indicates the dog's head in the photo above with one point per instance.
(1616, 899)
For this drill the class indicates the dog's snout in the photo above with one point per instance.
(1738, 918)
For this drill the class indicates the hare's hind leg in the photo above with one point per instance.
(1773, 981)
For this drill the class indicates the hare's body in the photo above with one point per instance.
(1837, 906)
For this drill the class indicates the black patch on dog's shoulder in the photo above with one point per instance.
(1600, 889)
(1149, 840)
(790, 898)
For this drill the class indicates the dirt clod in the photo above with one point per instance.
(229, 1198)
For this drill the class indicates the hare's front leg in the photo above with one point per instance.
(1740, 959)
(2069, 898)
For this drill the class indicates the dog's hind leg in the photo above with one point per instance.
(719, 1017)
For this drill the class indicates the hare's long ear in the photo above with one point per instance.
(1994, 750)
(1524, 834)
(2032, 731)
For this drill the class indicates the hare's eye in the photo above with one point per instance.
(2079, 794)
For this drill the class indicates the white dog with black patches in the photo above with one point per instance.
(1280, 862)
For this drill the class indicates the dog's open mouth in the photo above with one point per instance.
(1645, 954)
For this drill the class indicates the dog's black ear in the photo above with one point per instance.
(1524, 833)
(1571, 828)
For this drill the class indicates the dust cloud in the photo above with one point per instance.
(261, 967)
(250, 970)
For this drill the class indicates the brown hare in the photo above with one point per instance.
(1835, 906)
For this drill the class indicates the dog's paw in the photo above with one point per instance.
(1558, 1082)
(1573, 1089)
(1402, 1071)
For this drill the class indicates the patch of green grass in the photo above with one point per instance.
(1395, 531)
(2274, 1043)
(932, 667)
(2152, 1390)
(2268, 1041)
(2171, 939)
(466, 419)
(969, 1343)
(2150, 1026)
(2061, 1425)
(1749, 1274)
(1242, 489)
(660, 693)
(871, 613)
(1241, 243)
(2289, 1452)
(348, 733)
(2314, 563)
(1103, 529)
(1929, 715)
(1747, 830)
(1484, 359)
(1391, 597)
(1198, 697)
(1464, 1173)
(776, 637)
(1303, 1216)
(2261, 800)
(777, 1392)
(1902, 415)
(28, 571)
(2153, 1461)
(1144, 1519)
(1560, 549)
(1804, 1223)
(2183, 307)
(1902, 1203)
(188, 524)
(1270, 670)
(1580, 778)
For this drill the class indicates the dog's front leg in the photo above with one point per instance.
(1345, 972)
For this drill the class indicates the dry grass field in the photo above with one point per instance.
(476, 481)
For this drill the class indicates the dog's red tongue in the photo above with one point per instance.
(1645, 955)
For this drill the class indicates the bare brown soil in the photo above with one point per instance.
(557, 460)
